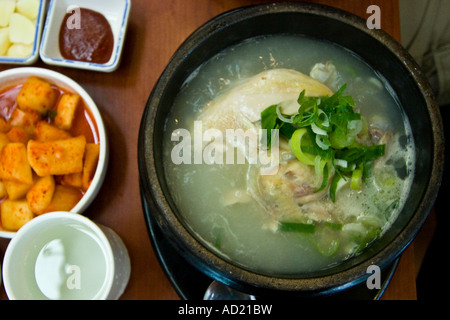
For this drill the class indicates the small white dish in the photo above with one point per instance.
(36, 43)
(15, 76)
(115, 11)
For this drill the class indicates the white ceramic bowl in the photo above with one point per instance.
(19, 75)
(115, 11)
(21, 256)
(37, 39)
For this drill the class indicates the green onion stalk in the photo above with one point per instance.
(323, 134)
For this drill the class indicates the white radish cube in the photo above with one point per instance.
(29, 8)
(21, 29)
(6, 10)
(4, 41)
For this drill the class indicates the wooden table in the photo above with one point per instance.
(156, 29)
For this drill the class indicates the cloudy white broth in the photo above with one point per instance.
(343, 146)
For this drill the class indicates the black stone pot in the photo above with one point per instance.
(381, 52)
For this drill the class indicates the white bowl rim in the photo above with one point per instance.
(100, 173)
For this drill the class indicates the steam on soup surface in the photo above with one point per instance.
(343, 169)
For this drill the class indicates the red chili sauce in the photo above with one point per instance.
(89, 40)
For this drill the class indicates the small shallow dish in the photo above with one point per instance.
(19, 75)
(36, 43)
(115, 11)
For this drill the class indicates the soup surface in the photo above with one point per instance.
(309, 210)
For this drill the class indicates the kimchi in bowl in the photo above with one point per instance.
(53, 143)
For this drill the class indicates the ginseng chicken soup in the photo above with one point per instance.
(287, 155)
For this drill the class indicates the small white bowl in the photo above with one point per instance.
(23, 275)
(115, 11)
(16, 76)
(37, 39)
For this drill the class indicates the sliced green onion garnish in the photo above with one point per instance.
(308, 111)
(298, 140)
(283, 118)
(325, 178)
(341, 163)
(318, 130)
(356, 181)
(322, 121)
(337, 183)
(333, 187)
(335, 226)
(323, 142)
(354, 127)
(297, 227)
(324, 132)
(340, 139)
